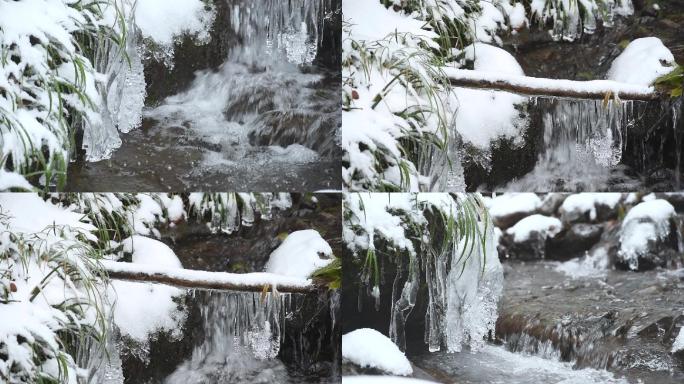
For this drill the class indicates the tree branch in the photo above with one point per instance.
(188, 278)
(536, 86)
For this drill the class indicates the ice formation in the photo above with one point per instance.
(464, 280)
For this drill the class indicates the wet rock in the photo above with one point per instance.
(533, 248)
(551, 203)
(574, 241)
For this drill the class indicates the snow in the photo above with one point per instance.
(678, 344)
(384, 21)
(587, 202)
(546, 226)
(510, 203)
(642, 62)
(300, 254)
(28, 214)
(474, 120)
(369, 348)
(237, 279)
(163, 20)
(154, 300)
(543, 84)
(646, 222)
(10, 180)
(361, 379)
(151, 252)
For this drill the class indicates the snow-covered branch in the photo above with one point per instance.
(536, 86)
(188, 278)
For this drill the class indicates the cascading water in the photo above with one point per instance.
(583, 145)
(272, 105)
(242, 337)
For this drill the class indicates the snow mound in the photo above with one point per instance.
(582, 203)
(155, 301)
(369, 348)
(302, 253)
(643, 61)
(474, 120)
(546, 226)
(382, 380)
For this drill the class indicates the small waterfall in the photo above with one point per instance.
(583, 142)
(242, 337)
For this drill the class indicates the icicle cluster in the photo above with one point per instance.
(463, 275)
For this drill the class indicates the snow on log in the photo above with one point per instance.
(536, 86)
(188, 278)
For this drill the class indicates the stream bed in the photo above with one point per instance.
(607, 327)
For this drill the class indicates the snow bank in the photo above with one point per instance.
(154, 300)
(546, 226)
(474, 119)
(369, 348)
(382, 380)
(302, 253)
(642, 62)
(582, 203)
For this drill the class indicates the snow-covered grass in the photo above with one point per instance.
(65, 67)
(54, 294)
(369, 348)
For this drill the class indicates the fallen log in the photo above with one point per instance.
(188, 278)
(536, 86)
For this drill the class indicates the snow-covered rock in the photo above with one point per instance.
(642, 61)
(524, 229)
(509, 208)
(302, 253)
(589, 207)
(647, 236)
(369, 348)
(527, 239)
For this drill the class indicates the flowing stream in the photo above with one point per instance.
(265, 119)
